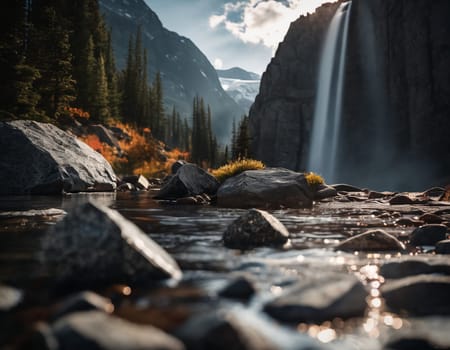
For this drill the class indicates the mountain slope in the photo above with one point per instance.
(185, 70)
(237, 73)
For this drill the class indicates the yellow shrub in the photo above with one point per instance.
(314, 179)
(235, 168)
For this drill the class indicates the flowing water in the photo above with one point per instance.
(327, 115)
(192, 235)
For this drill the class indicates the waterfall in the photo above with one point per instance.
(327, 115)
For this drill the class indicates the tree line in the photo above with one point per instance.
(58, 54)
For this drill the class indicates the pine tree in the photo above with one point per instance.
(242, 139)
(100, 111)
(158, 107)
(111, 76)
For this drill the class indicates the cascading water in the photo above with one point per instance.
(327, 116)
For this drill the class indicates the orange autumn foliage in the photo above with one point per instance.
(142, 154)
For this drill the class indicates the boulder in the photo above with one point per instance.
(267, 188)
(253, 229)
(346, 188)
(38, 158)
(177, 165)
(411, 266)
(100, 331)
(321, 298)
(401, 199)
(189, 180)
(443, 247)
(324, 191)
(105, 135)
(94, 244)
(223, 330)
(373, 240)
(428, 234)
(421, 295)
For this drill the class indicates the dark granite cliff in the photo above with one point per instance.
(396, 111)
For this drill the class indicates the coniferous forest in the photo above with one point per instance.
(57, 64)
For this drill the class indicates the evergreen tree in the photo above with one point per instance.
(158, 107)
(100, 111)
(111, 76)
(242, 139)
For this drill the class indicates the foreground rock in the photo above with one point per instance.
(100, 331)
(420, 295)
(253, 229)
(374, 240)
(428, 234)
(38, 158)
(241, 288)
(9, 298)
(268, 188)
(411, 266)
(94, 244)
(320, 299)
(443, 247)
(83, 301)
(223, 330)
(189, 180)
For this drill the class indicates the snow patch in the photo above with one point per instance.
(203, 73)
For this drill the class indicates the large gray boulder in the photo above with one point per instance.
(39, 158)
(94, 244)
(268, 188)
(189, 180)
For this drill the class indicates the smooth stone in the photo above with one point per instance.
(253, 229)
(177, 165)
(434, 192)
(443, 247)
(428, 234)
(189, 180)
(9, 297)
(421, 295)
(373, 240)
(411, 266)
(94, 244)
(126, 187)
(83, 301)
(429, 218)
(267, 188)
(40, 158)
(325, 191)
(401, 199)
(379, 195)
(223, 330)
(138, 181)
(100, 331)
(320, 299)
(346, 188)
(241, 288)
(409, 222)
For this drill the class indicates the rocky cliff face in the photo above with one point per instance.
(396, 111)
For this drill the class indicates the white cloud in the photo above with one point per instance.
(218, 63)
(262, 21)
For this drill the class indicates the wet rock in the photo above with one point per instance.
(422, 333)
(409, 222)
(428, 234)
(434, 192)
(241, 288)
(373, 240)
(443, 247)
(320, 299)
(268, 188)
(325, 191)
(34, 215)
(94, 244)
(379, 195)
(100, 331)
(223, 330)
(189, 180)
(39, 158)
(346, 188)
(421, 295)
(187, 201)
(253, 229)
(411, 266)
(430, 218)
(401, 199)
(83, 301)
(177, 165)
(126, 187)
(9, 298)
(138, 181)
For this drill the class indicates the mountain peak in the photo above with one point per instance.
(237, 73)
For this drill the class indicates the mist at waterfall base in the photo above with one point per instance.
(365, 153)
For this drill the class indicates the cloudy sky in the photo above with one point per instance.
(243, 33)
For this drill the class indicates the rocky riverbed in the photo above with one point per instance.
(327, 287)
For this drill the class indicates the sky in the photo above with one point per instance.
(233, 33)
